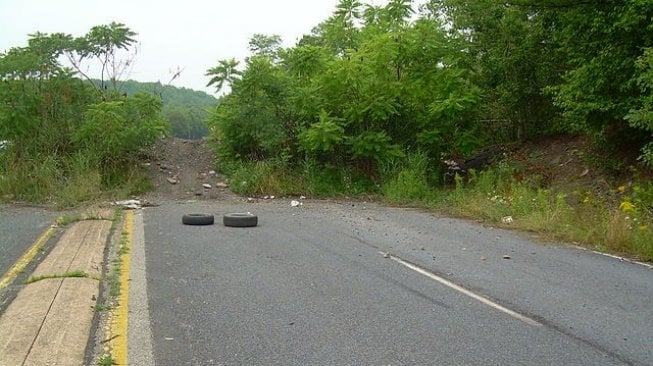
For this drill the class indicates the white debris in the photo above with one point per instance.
(206, 185)
(211, 172)
(172, 180)
(221, 185)
(295, 203)
(302, 197)
(507, 220)
(130, 204)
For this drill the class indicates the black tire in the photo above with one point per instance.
(240, 219)
(197, 219)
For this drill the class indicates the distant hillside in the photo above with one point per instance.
(171, 95)
(185, 109)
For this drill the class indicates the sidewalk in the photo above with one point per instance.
(50, 320)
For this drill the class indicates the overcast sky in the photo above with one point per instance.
(189, 34)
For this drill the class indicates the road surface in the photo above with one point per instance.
(19, 227)
(359, 284)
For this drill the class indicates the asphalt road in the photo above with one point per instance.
(359, 284)
(19, 227)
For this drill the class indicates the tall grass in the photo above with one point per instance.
(64, 181)
(600, 223)
(494, 195)
(308, 179)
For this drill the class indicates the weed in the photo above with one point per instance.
(67, 219)
(72, 274)
(106, 360)
(102, 307)
(408, 183)
(494, 194)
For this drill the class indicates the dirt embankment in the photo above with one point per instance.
(184, 170)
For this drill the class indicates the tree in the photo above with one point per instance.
(224, 74)
(102, 44)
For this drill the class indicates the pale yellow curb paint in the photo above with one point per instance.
(119, 325)
(26, 258)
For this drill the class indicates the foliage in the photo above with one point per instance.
(366, 87)
(185, 109)
(68, 138)
(494, 194)
(113, 131)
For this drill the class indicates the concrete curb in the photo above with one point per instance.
(50, 320)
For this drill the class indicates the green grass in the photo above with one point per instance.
(71, 274)
(66, 181)
(106, 360)
(594, 223)
(599, 222)
(309, 179)
(102, 307)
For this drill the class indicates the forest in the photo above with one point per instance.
(371, 85)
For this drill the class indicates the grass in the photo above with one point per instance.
(71, 274)
(66, 181)
(309, 179)
(102, 307)
(594, 223)
(106, 360)
(620, 222)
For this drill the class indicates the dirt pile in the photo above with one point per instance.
(184, 170)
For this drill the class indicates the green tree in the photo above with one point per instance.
(225, 73)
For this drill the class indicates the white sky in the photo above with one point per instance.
(190, 34)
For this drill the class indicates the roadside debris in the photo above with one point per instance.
(295, 203)
(206, 185)
(507, 220)
(129, 204)
(172, 180)
(221, 185)
(507, 257)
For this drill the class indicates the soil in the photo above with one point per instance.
(178, 169)
(570, 164)
(184, 170)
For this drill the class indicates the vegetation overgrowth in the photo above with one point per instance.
(376, 97)
(65, 138)
(185, 109)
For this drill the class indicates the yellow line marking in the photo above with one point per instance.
(119, 344)
(26, 258)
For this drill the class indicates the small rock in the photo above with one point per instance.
(211, 172)
(271, 197)
(507, 257)
(250, 199)
(172, 180)
(206, 185)
(483, 258)
(221, 185)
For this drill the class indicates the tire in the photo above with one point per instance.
(240, 220)
(197, 219)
